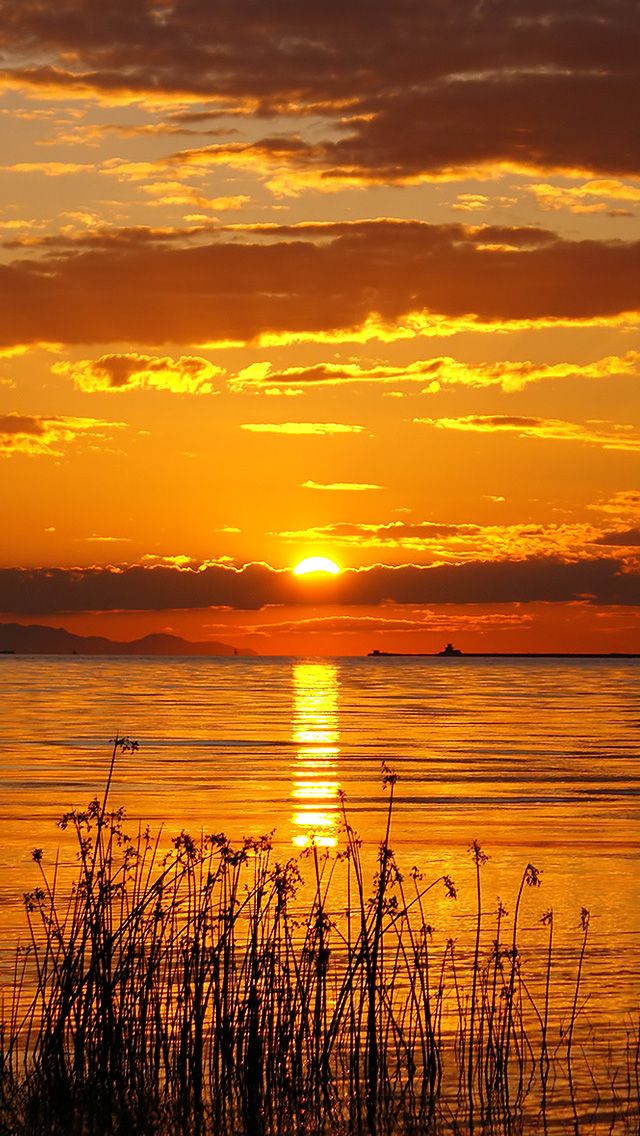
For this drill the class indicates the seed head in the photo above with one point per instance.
(479, 857)
(532, 876)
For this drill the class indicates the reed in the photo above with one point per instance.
(206, 988)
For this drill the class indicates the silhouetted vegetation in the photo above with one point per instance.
(208, 990)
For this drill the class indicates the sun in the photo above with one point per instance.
(316, 564)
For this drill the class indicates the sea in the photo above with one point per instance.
(536, 760)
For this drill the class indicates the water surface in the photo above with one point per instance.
(538, 760)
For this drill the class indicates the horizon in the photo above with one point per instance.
(224, 650)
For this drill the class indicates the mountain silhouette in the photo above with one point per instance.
(34, 639)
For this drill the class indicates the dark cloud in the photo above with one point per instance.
(18, 424)
(141, 292)
(535, 121)
(629, 538)
(254, 586)
(505, 420)
(418, 86)
(105, 239)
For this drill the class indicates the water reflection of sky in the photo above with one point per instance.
(315, 731)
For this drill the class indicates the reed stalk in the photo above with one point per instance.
(479, 858)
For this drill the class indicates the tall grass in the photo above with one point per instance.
(206, 989)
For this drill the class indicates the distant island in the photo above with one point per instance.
(34, 639)
(451, 652)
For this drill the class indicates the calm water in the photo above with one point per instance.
(537, 760)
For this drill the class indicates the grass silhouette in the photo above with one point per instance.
(206, 989)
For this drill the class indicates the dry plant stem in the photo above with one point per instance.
(493, 1013)
(584, 921)
(479, 859)
(544, 1049)
(372, 975)
(530, 878)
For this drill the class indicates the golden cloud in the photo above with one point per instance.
(624, 505)
(38, 436)
(341, 486)
(440, 371)
(454, 543)
(179, 194)
(95, 538)
(617, 437)
(125, 170)
(130, 371)
(321, 428)
(49, 169)
(179, 560)
(374, 624)
(599, 195)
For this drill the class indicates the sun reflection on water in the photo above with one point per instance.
(316, 734)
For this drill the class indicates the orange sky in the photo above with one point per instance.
(358, 281)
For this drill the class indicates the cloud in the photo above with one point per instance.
(130, 371)
(93, 237)
(326, 282)
(95, 539)
(457, 543)
(453, 131)
(478, 202)
(597, 196)
(390, 533)
(598, 580)
(179, 560)
(341, 486)
(509, 375)
(301, 428)
(38, 436)
(617, 437)
(625, 504)
(162, 182)
(16, 223)
(176, 194)
(92, 133)
(429, 621)
(49, 169)
(394, 92)
(630, 538)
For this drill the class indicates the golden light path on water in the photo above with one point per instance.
(315, 732)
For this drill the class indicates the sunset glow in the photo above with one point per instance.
(254, 304)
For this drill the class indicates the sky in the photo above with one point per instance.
(356, 280)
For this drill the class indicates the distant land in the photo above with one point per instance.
(454, 653)
(33, 639)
